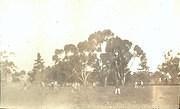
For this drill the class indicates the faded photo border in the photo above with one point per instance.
(89, 54)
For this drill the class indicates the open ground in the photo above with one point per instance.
(149, 97)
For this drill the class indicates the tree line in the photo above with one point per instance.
(103, 58)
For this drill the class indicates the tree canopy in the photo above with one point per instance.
(98, 58)
(104, 58)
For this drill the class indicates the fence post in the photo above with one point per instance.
(0, 89)
(179, 101)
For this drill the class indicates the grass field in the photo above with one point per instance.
(149, 97)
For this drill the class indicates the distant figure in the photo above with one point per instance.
(94, 84)
(117, 90)
(78, 85)
(25, 86)
(75, 86)
(42, 84)
(136, 84)
(55, 85)
(67, 84)
(139, 84)
(142, 84)
(51, 85)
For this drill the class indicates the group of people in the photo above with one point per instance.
(75, 86)
(139, 84)
(53, 85)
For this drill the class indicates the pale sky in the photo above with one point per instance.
(31, 26)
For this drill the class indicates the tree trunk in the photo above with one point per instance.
(123, 81)
(85, 82)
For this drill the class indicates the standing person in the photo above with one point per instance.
(117, 89)
(136, 84)
(142, 84)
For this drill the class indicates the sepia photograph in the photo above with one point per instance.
(89, 54)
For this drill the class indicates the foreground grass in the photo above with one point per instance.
(92, 98)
